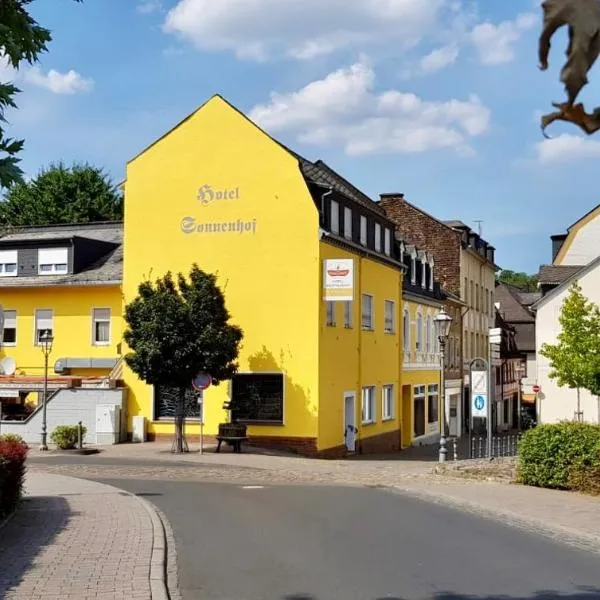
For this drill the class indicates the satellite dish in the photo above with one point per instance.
(8, 366)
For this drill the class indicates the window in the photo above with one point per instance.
(166, 403)
(348, 314)
(258, 398)
(387, 242)
(378, 237)
(368, 405)
(472, 295)
(390, 314)
(432, 403)
(406, 332)
(101, 326)
(348, 223)
(473, 346)
(476, 296)
(466, 291)
(43, 323)
(8, 263)
(423, 273)
(419, 410)
(367, 311)
(387, 402)
(413, 269)
(53, 261)
(335, 217)
(419, 333)
(363, 230)
(429, 334)
(10, 328)
(330, 313)
(431, 277)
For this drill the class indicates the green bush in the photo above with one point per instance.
(11, 437)
(65, 436)
(12, 474)
(560, 456)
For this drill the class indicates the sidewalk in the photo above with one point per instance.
(73, 538)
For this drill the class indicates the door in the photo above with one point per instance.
(350, 429)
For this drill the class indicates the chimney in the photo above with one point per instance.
(392, 196)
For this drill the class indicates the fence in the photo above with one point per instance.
(476, 447)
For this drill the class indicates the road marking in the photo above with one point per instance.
(253, 487)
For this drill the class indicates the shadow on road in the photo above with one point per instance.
(33, 528)
(583, 594)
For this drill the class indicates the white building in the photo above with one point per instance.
(576, 257)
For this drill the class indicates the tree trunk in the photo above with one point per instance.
(179, 442)
(579, 415)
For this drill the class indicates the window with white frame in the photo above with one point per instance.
(378, 237)
(10, 328)
(335, 217)
(330, 313)
(101, 326)
(387, 402)
(429, 334)
(363, 230)
(413, 269)
(368, 405)
(419, 410)
(390, 316)
(348, 314)
(387, 242)
(406, 330)
(8, 263)
(53, 261)
(419, 333)
(43, 323)
(348, 223)
(423, 272)
(431, 276)
(433, 403)
(367, 311)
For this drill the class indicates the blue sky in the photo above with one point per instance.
(439, 99)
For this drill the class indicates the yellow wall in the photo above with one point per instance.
(422, 369)
(353, 358)
(72, 325)
(270, 275)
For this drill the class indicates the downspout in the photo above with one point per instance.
(322, 206)
(359, 350)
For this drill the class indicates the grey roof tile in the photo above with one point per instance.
(556, 274)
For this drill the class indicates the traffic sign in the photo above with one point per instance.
(479, 382)
(479, 405)
(201, 381)
(536, 389)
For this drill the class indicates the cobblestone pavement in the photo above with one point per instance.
(77, 539)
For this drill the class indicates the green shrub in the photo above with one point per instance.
(65, 436)
(12, 474)
(555, 456)
(11, 437)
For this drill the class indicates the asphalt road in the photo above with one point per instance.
(336, 543)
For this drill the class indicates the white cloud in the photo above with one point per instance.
(566, 148)
(495, 44)
(302, 29)
(342, 109)
(147, 7)
(439, 59)
(70, 82)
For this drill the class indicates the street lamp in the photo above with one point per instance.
(520, 370)
(46, 340)
(443, 321)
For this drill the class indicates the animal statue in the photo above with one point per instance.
(583, 20)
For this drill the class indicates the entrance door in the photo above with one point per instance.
(350, 429)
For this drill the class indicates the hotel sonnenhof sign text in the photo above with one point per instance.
(338, 279)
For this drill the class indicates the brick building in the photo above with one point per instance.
(465, 268)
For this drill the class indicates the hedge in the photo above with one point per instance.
(66, 436)
(564, 456)
(13, 453)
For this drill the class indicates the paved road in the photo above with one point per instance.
(295, 542)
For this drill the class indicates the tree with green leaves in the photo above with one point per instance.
(59, 194)
(575, 359)
(177, 328)
(520, 280)
(22, 39)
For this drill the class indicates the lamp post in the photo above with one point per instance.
(46, 340)
(520, 369)
(443, 321)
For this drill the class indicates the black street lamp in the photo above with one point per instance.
(46, 340)
(443, 322)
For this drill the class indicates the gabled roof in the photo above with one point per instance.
(511, 308)
(556, 274)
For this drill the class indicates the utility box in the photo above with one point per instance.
(139, 429)
(108, 424)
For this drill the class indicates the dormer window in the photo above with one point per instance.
(423, 272)
(53, 261)
(377, 237)
(431, 264)
(387, 242)
(363, 230)
(335, 217)
(8, 263)
(413, 269)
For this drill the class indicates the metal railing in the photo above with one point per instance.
(501, 446)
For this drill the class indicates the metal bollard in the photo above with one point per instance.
(455, 448)
(79, 435)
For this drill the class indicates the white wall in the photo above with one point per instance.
(585, 247)
(556, 404)
(68, 407)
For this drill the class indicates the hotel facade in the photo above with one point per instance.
(337, 311)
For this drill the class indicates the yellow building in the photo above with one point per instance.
(310, 268)
(421, 365)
